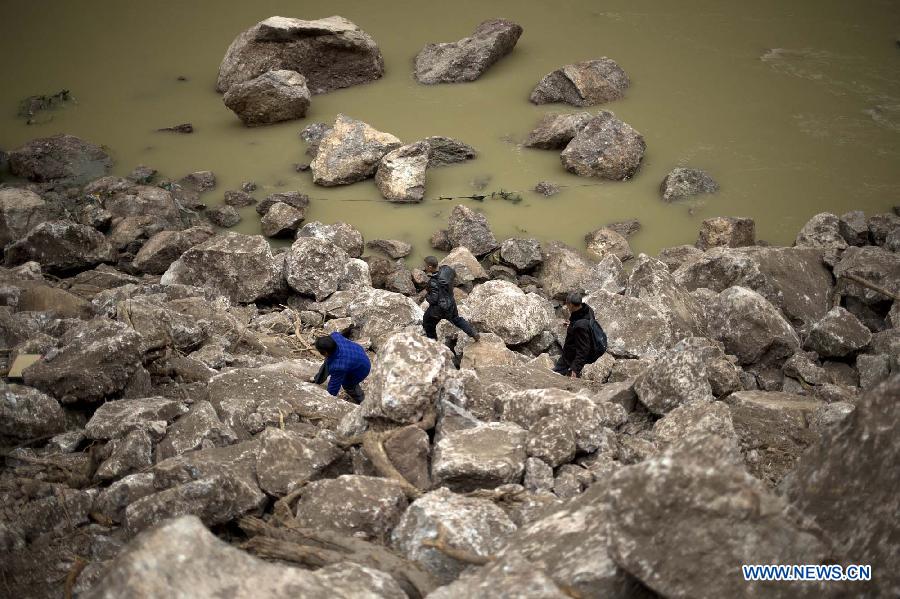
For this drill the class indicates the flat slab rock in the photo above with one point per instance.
(483, 457)
(468, 58)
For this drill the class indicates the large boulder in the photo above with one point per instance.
(584, 83)
(563, 270)
(315, 267)
(604, 242)
(240, 267)
(330, 53)
(521, 254)
(281, 220)
(401, 173)
(822, 231)
(408, 378)
(674, 379)
(97, 359)
(634, 327)
(726, 231)
(21, 210)
(470, 524)
(61, 246)
(470, 229)
(873, 264)
(468, 58)
(201, 427)
(684, 182)
(350, 151)
(652, 282)
(466, 266)
(692, 420)
(377, 313)
(272, 97)
(158, 252)
(153, 204)
(26, 413)
(606, 147)
(116, 419)
(847, 483)
(482, 457)
(554, 131)
(501, 307)
(345, 236)
(750, 327)
(838, 334)
(61, 158)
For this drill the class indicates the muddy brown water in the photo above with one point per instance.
(793, 107)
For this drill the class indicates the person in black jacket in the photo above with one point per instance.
(578, 349)
(441, 303)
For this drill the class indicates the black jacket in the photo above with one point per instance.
(441, 301)
(579, 348)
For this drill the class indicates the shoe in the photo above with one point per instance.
(477, 337)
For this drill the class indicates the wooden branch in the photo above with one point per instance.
(314, 557)
(868, 284)
(72, 577)
(440, 543)
(373, 447)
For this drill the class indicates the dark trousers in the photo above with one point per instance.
(430, 322)
(562, 367)
(354, 391)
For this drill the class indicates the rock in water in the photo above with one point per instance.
(604, 242)
(61, 158)
(686, 182)
(294, 199)
(470, 229)
(606, 147)
(443, 151)
(272, 97)
(61, 246)
(848, 484)
(281, 220)
(401, 173)
(224, 216)
(240, 267)
(555, 131)
(468, 58)
(330, 53)
(315, 267)
(582, 84)
(350, 152)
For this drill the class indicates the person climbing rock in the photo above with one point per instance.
(441, 303)
(585, 339)
(346, 363)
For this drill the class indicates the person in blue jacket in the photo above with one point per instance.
(346, 363)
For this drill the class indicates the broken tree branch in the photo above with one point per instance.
(441, 544)
(869, 285)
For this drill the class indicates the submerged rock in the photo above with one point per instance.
(272, 97)
(443, 151)
(468, 58)
(555, 131)
(61, 158)
(349, 152)
(682, 183)
(606, 147)
(401, 173)
(330, 53)
(582, 84)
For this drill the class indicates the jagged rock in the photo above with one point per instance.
(584, 83)
(846, 482)
(489, 351)
(288, 460)
(393, 248)
(723, 374)
(131, 453)
(21, 211)
(281, 220)
(56, 302)
(802, 367)
(240, 267)
(822, 231)
(367, 506)
(486, 456)
(538, 475)
(330, 53)
(599, 369)
(696, 419)
(773, 428)
(116, 419)
(674, 257)
(96, 360)
(563, 270)
(726, 231)
(60, 509)
(875, 265)
(341, 234)
(468, 58)
(199, 180)
(634, 327)
(153, 204)
(652, 282)
(521, 254)
(112, 501)
(551, 439)
(198, 428)
(604, 242)
(315, 267)
(274, 96)
(443, 151)
(391, 275)
(408, 379)
(294, 199)
(409, 450)
(401, 173)
(607, 275)
(474, 525)
(502, 308)
(873, 368)
(158, 253)
(881, 226)
(683, 183)
(567, 483)
(238, 199)
(838, 334)
(61, 247)
(513, 577)
(377, 313)
(26, 413)
(854, 227)
(554, 131)
(440, 241)
(470, 229)
(704, 519)
(61, 158)
(606, 147)
(750, 327)
(350, 152)
(224, 216)
(674, 379)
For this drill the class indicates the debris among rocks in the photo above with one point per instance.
(582, 84)
(468, 58)
(182, 128)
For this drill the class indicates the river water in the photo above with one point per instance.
(794, 107)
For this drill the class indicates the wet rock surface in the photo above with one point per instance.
(582, 84)
(468, 58)
(272, 97)
(349, 152)
(606, 147)
(683, 183)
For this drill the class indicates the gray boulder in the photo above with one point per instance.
(272, 97)
(554, 131)
(281, 220)
(635, 328)
(393, 248)
(501, 307)
(21, 211)
(750, 327)
(683, 183)
(240, 267)
(584, 83)
(873, 264)
(563, 270)
(696, 419)
(822, 231)
(854, 227)
(294, 199)
(341, 234)
(838, 334)
(465, 264)
(116, 419)
(521, 254)
(61, 158)
(882, 227)
(604, 242)
(726, 231)
(377, 313)
(443, 151)
(61, 246)
(401, 173)
(288, 460)
(201, 427)
(315, 267)
(26, 413)
(676, 256)
(470, 229)
(606, 147)
(330, 53)
(224, 216)
(350, 151)
(468, 58)
(674, 379)
(158, 252)
(483, 457)
(652, 282)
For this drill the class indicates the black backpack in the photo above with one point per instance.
(440, 291)
(598, 339)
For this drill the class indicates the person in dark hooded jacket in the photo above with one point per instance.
(578, 349)
(441, 303)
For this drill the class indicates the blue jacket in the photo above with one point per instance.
(348, 365)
